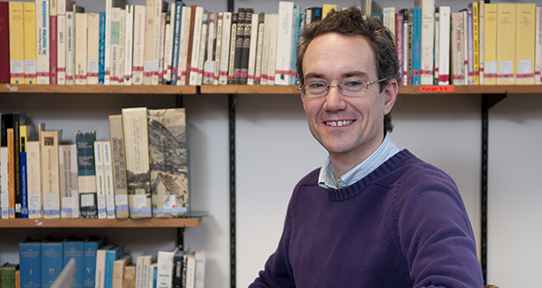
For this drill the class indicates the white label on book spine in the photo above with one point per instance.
(490, 67)
(30, 66)
(87, 200)
(525, 66)
(140, 201)
(505, 67)
(121, 200)
(34, 203)
(44, 65)
(50, 201)
(67, 204)
(101, 203)
(110, 204)
(93, 66)
(17, 66)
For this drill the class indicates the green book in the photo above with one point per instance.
(8, 275)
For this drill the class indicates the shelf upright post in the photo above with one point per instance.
(488, 101)
(232, 98)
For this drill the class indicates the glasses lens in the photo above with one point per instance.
(353, 87)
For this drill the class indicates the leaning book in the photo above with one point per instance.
(168, 162)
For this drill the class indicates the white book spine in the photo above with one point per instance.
(272, 56)
(70, 46)
(139, 45)
(202, 49)
(259, 49)
(265, 52)
(168, 43)
(34, 179)
(233, 44)
(121, 56)
(218, 48)
(225, 53)
(157, 18)
(465, 47)
(93, 50)
(444, 38)
(200, 269)
(81, 48)
(4, 186)
(283, 66)
(128, 49)
(165, 268)
(61, 48)
(196, 43)
(185, 34)
(99, 162)
(107, 57)
(42, 41)
(406, 54)
(253, 48)
(108, 180)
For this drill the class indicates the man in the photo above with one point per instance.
(373, 215)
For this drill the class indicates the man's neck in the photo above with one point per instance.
(344, 162)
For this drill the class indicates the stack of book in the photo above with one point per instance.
(102, 265)
(140, 172)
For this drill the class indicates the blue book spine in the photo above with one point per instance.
(89, 261)
(87, 172)
(74, 249)
(154, 276)
(110, 257)
(30, 264)
(417, 49)
(24, 181)
(51, 262)
(176, 41)
(297, 18)
(101, 47)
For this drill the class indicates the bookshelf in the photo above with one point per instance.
(101, 223)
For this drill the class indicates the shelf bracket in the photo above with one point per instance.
(232, 98)
(179, 101)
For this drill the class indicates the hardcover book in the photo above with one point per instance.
(118, 270)
(81, 43)
(34, 179)
(108, 180)
(51, 262)
(169, 162)
(89, 260)
(16, 42)
(74, 249)
(69, 193)
(283, 72)
(8, 276)
(101, 255)
(49, 142)
(30, 263)
(506, 26)
(137, 162)
(118, 162)
(4, 38)
(111, 256)
(43, 41)
(93, 49)
(86, 174)
(165, 268)
(30, 55)
(525, 43)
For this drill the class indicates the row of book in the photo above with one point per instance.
(483, 44)
(99, 264)
(140, 172)
(56, 42)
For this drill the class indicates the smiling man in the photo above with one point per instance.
(373, 215)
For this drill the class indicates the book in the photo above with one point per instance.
(416, 45)
(4, 187)
(16, 42)
(218, 47)
(427, 25)
(196, 43)
(296, 28)
(160, 6)
(283, 71)
(101, 50)
(109, 4)
(51, 261)
(108, 180)
(233, 47)
(168, 43)
(525, 43)
(506, 26)
(458, 77)
(89, 260)
(101, 256)
(8, 278)
(119, 166)
(153, 276)
(29, 27)
(50, 180)
(70, 48)
(74, 249)
(476, 41)
(121, 56)
(118, 270)
(326, 8)
(225, 53)
(470, 46)
(81, 43)
(177, 20)
(149, 42)
(272, 54)
(211, 53)
(114, 46)
(53, 34)
(168, 156)
(202, 48)
(538, 46)
(183, 52)
(165, 268)
(143, 263)
(4, 38)
(481, 28)
(129, 279)
(444, 45)
(86, 174)
(69, 193)
(34, 179)
(239, 41)
(138, 56)
(137, 161)
(190, 269)
(179, 270)
(200, 269)
(252, 48)
(259, 50)
(128, 41)
(100, 175)
(93, 49)
(30, 263)
(61, 41)
(11, 172)
(24, 133)
(42, 39)
(111, 256)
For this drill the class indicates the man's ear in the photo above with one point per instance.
(390, 94)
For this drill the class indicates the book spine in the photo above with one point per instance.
(139, 45)
(23, 137)
(200, 269)
(53, 33)
(416, 46)
(225, 53)
(506, 25)
(98, 157)
(34, 179)
(81, 20)
(476, 43)
(89, 262)
(128, 41)
(137, 161)
(176, 42)
(233, 47)
(110, 257)
(243, 70)
(43, 41)
(295, 31)
(29, 15)
(272, 56)
(101, 49)
(165, 269)
(168, 42)
(284, 40)
(202, 48)
(93, 49)
(61, 49)
(4, 187)
(119, 166)
(259, 50)
(30, 264)
(69, 202)
(525, 43)
(184, 53)
(218, 47)
(11, 172)
(114, 46)
(108, 181)
(196, 42)
(156, 40)
(51, 262)
(210, 54)
(70, 48)
(252, 49)
(121, 56)
(50, 174)
(444, 38)
(4, 38)
(107, 58)
(470, 42)
(164, 48)
(239, 43)
(86, 174)
(74, 249)
(16, 42)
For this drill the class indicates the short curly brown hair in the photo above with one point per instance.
(351, 22)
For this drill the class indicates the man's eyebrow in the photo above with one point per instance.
(344, 75)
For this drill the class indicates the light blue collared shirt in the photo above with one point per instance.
(326, 179)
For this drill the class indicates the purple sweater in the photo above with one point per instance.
(403, 225)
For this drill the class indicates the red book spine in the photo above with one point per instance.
(4, 39)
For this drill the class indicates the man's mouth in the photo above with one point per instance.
(339, 123)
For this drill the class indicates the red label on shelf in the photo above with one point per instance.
(437, 88)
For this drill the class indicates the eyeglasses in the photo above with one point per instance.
(350, 87)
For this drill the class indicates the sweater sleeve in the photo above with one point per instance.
(278, 271)
(436, 237)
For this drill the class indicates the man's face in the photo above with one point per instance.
(346, 126)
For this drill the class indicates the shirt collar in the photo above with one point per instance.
(326, 178)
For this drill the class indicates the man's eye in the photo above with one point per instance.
(317, 85)
(353, 84)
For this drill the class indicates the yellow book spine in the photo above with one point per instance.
(29, 15)
(506, 26)
(476, 43)
(525, 36)
(16, 42)
(490, 44)
(326, 8)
